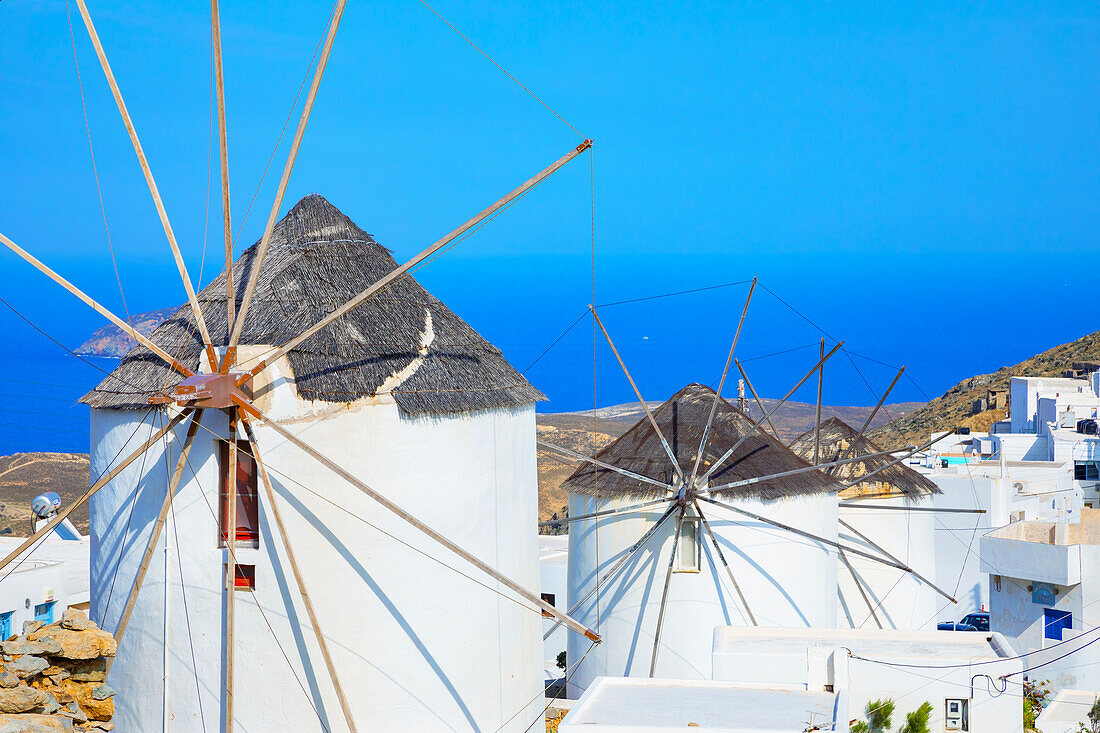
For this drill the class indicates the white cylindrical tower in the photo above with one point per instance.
(786, 578)
(405, 397)
(873, 595)
(880, 516)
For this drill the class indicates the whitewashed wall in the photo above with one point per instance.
(899, 600)
(417, 646)
(787, 580)
(31, 582)
(909, 667)
(553, 579)
(1046, 491)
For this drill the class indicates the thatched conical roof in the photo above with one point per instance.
(837, 436)
(317, 260)
(682, 420)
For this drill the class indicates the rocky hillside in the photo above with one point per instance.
(53, 678)
(111, 341)
(574, 430)
(24, 476)
(953, 408)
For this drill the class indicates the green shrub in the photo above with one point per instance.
(561, 660)
(917, 721)
(878, 715)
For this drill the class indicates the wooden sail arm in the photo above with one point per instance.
(601, 464)
(265, 240)
(664, 593)
(400, 271)
(416, 523)
(722, 558)
(718, 393)
(867, 422)
(767, 415)
(859, 586)
(914, 573)
(277, 515)
(807, 535)
(223, 150)
(121, 324)
(817, 412)
(796, 471)
(192, 299)
(604, 513)
(614, 569)
(896, 461)
(757, 400)
(103, 481)
(641, 400)
(855, 503)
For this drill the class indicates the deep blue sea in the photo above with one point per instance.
(887, 317)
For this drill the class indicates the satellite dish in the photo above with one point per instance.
(45, 504)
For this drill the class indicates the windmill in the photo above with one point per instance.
(698, 517)
(230, 391)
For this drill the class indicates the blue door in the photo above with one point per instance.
(5, 624)
(44, 612)
(1054, 621)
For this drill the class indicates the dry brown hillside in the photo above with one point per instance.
(953, 408)
(24, 476)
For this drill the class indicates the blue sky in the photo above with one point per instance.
(918, 179)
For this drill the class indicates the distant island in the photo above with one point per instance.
(110, 341)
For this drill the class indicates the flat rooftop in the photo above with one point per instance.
(631, 704)
(1084, 532)
(876, 643)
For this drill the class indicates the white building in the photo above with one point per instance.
(626, 705)
(1004, 491)
(796, 680)
(553, 586)
(1045, 595)
(785, 578)
(948, 669)
(43, 582)
(1055, 419)
(406, 397)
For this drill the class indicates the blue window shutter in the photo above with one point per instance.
(1054, 621)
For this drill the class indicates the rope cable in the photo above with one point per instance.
(95, 170)
(186, 613)
(506, 72)
(229, 546)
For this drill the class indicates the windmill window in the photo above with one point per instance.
(247, 531)
(687, 552)
(549, 598)
(244, 577)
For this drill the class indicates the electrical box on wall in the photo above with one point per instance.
(955, 715)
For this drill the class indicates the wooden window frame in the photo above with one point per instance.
(244, 577)
(697, 566)
(247, 533)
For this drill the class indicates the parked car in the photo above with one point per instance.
(970, 622)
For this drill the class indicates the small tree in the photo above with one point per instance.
(1036, 694)
(561, 660)
(1094, 719)
(917, 721)
(877, 717)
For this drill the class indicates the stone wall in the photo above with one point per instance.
(53, 678)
